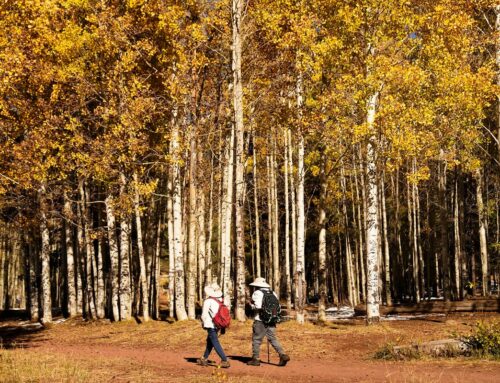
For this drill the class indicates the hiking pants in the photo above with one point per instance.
(213, 342)
(259, 331)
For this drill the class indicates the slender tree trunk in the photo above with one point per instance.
(443, 223)
(45, 257)
(257, 214)
(208, 251)
(113, 255)
(192, 243)
(227, 214)
(483, 245)
(171, 253)
(237, 10)
(34, 290)
(349, 269)
(372, 297)
(89, 253)
(287, 229)
(270, 224)
(70, 261)
(322, 249)
(124, 272)
(387, 257)
(201, 243)
(276, 224)
(294, 207)
(140, 249)
(300, 270)
(497, 28)
(180, 307)
(458, 240)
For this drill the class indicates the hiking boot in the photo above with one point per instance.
(225, 364)
(202, 362)
(254, 362)
(284, 359)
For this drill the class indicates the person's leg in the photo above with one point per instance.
(258, 333)
(271, 335)
(210, 345)
(212, 333)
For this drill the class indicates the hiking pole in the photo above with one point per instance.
(268, 361)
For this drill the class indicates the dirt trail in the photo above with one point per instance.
(162, 352)
(168, 363)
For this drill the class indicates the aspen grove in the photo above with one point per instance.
(348, 151)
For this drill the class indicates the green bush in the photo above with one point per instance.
(484, 339)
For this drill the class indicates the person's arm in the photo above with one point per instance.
(205, 314)
(257, 300)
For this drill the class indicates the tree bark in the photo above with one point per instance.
(300, 270)
(70, 260)
(124, 273)
(45, 257)
(483, 244)
(180, 307)
(113, 255)
(140, 249)
(372, 293)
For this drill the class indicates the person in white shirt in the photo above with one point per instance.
(213, 294)
(260, 329)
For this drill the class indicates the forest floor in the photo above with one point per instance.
(159, 351)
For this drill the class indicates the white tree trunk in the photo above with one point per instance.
(208, 246)
(171, 252)
(387, 258)
(287, 228)
(201, 243)
(45, 257)
(89, 253)
(180, 308)
(227, 213)
(300, 270)
(372, 298)
(237, 10)
(257, 214)
(70, 259)
(322, 251)
(124, 273)
(293, 202)
(113, 255)
(483, 244)
(192, 240)
(140, 248)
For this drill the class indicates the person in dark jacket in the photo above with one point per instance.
(260, 329)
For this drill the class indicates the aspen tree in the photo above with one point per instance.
(70, 261)
(140, 250)
(45, 257)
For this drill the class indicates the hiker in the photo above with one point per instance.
(213, 307)
(267, 313)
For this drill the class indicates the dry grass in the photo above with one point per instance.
(18, 366)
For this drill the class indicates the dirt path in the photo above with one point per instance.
(169, 364)
(162, 352)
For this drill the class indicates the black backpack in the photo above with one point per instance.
(270, 313)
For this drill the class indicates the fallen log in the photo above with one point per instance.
(443, 347)
(431, 307)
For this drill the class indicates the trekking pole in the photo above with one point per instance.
(268, 361)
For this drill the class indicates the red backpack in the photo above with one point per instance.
(222, 319)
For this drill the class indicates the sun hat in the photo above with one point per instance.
(213, 290)
(259, 282)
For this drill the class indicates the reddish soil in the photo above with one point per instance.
(338, 353)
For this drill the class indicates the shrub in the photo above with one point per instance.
(484, 339)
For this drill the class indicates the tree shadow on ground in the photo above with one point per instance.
(16, 331)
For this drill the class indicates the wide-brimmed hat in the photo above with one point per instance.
(213, 290)
(259, 282)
